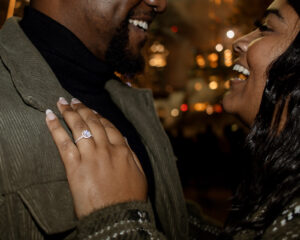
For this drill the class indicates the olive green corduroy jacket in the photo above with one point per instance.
(35, 201)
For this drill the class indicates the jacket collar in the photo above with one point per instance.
(31, 75)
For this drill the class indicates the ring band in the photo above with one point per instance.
(85, 134)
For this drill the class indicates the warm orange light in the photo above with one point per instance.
(157, 60)
(175, 112)
(228, 58)
(213, 64)
(209, 110)
(213, 85)
(200, 107)
(213, 57)
(198, 86)
(157, 47)
(218, 108)
(11, 8)
(200, 61)
(227, 84)
(213, 78)
(174, 29)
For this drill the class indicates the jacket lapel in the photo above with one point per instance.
(31, 77)
(137, 105)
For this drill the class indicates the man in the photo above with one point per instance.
(68, 48)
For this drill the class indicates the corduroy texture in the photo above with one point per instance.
(32, 176)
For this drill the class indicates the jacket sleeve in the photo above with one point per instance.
(286, 226)
(124, 221)
(201, 226)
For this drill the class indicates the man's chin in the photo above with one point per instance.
(130, 67)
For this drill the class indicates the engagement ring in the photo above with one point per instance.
(85, 134)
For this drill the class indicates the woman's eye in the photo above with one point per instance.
(262, 27)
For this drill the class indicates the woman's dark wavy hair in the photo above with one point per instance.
(274, 147)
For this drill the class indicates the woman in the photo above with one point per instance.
(267, 204)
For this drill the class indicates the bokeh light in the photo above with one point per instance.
(230, 34)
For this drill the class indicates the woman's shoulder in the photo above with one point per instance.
(287, 225)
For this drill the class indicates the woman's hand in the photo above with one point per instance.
(102, 170)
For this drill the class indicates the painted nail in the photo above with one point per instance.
(75, 101)
(50, 115)
(63, 101)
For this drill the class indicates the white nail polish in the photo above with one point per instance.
(50, 115)
(75, 101)
(63, 101)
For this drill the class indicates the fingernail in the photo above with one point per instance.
(63, 101)
(75, 101)
(50, 115)
(95, 112)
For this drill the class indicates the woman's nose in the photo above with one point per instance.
(158, 5)
(241, 45)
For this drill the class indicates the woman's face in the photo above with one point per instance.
(256, 51)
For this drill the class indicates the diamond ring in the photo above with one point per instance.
(85, 134)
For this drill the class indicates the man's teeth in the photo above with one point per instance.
(241, 69)
(138, 23)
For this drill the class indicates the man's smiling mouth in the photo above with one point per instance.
(140, 24)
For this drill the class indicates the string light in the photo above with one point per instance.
(184, 107)
(200, 107)
(209, 110)
(213, 59)
(228, 58)
(174, 112)
(218, 108)
(200, 61)
(230, 34)
(198, 86)
(219, 47)
(227, 84)
(213, 85)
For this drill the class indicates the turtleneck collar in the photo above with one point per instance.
(75, 66)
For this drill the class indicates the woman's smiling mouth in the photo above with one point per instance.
(243, 74)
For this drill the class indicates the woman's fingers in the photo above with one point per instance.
(91, 118)
(113, 134)
(104, 131)
(67, 149)
(80, 130)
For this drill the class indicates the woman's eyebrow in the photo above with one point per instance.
(275, 12)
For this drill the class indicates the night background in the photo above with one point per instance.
(188, 64)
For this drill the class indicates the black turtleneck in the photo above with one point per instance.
(82, 75)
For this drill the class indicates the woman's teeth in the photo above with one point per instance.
(243, 72)
(138, 23)
(241, 69)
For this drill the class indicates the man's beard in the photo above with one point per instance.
(118, 55)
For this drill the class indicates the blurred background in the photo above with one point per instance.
(188, 66)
